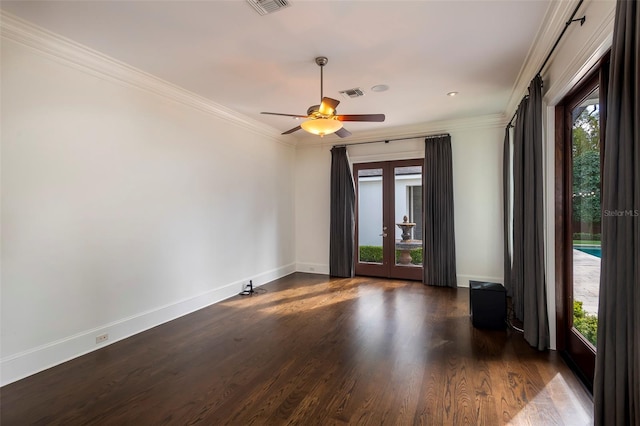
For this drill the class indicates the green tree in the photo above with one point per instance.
(586, 187)
(586, 164)
(586, 130)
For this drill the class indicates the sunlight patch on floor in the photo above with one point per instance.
(307, 304)
(274, 296)
(552, 395)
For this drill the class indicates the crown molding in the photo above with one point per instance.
(549, 31)
(589, 55)
(85, 59)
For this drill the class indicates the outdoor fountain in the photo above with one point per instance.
(406, 244)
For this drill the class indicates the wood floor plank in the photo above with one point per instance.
(310, 350)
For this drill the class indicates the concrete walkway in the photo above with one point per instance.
(586, 280)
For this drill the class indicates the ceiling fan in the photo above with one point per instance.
(322, 119)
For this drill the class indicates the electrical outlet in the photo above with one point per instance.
(102, 338)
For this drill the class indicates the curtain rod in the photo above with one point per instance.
(566, 26)
(392, 140)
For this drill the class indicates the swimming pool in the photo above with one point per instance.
(592, 250)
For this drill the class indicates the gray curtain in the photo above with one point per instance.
(342, 219)
(439, 246)
(529, 283)
(506, 210)
(517, 268)
(617, 375)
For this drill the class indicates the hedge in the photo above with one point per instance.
(585, 323)
(374, 254)
(586, 236)
(371, 254)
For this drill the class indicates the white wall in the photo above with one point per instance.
(477, 174)
(312, 182)
(122, 209)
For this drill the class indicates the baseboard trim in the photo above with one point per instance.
(312, 268)
(35, 360)
(463, 280)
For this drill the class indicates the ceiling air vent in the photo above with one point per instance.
(352, 93)
(264, 7)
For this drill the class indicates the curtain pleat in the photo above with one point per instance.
(617, 373)
(535, 321)
(517, 269)
(439, 236)
(528, 282)
(342, 220)
(506, 210)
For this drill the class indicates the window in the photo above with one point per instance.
(414, 207)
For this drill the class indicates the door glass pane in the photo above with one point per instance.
(408, 215)
(370, 226)
(586, 216)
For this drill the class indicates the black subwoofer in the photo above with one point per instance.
(488, 305)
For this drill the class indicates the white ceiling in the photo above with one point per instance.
(227, 52)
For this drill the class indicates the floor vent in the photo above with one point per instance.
(264, 7)
(352, 93)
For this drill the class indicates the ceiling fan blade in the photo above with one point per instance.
(361, 117)
(328, 106)
(295, 129)
(285, 115)
(343, 133)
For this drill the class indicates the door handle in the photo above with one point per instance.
(383, 234)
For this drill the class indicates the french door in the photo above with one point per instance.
(389, 224)
(580, 129)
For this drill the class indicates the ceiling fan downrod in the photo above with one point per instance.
(321, 61)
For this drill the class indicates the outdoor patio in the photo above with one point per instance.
(586, 280)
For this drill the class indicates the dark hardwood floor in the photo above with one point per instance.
(311, 351)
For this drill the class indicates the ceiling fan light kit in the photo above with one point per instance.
(321, 126)
(322, 119)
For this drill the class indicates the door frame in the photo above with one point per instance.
(388, 269)
(574, 348)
